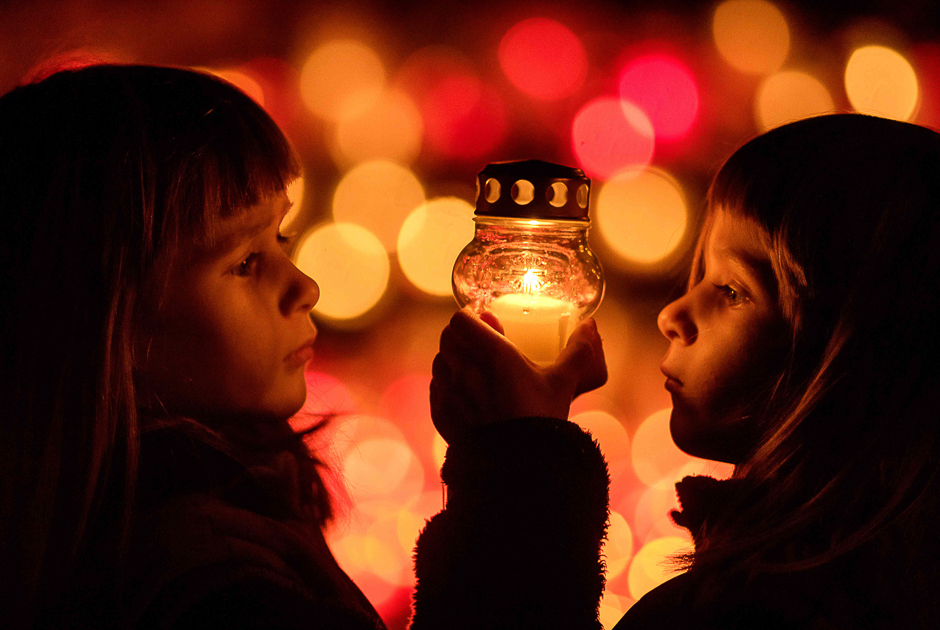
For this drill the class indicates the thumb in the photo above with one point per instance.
(582, 360)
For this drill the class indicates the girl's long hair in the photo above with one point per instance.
(104, 172)
(849, 453)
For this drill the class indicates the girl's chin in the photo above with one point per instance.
(696, 436)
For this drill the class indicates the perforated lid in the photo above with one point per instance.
(533, 189)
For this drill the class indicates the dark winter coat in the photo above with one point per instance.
(518, 545)
(863, 590)
(219, 542)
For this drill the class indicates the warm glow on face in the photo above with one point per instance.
(881, 82)
(543, 58)
(665, 90)
(752, 35)
(642, 214)
(609, 135)
(350, 265)
(788, 96)
(430, 240)
(340, 79)
(378, 195)
(389, 128)
(650, 566)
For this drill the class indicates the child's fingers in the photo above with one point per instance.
(582, 359)
(476, 337)
(489, 317)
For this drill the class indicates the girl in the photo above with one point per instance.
(154, 335)
(804, 352)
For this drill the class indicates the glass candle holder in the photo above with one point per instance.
(529, 262)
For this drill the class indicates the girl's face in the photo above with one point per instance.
(727, 337)
(234, 332)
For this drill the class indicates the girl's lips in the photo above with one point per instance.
(673, 385)
(301, 355)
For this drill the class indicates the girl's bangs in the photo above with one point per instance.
(239, 158)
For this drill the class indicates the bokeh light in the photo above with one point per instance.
(326, 396)
(389, 128)
(439, 450)
(651, 515)
(381, 470)
(350, 265)
(926, 60)
(430, 240)
(243, 81)
(665, 89)
(341, 78)
(618, 549)
(465, 119)
(610, 435)
(378, 195)
(788, 96)
(752, 35)
(543, 58)
(612, 608)
(641, 215)
(609, 135)
(657, 461)
(652, 566)
(880, 81)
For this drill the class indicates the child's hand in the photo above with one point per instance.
(479, 377)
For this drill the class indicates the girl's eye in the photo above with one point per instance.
(245, 267)
(732, 295)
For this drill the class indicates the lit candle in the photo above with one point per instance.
(538, 325)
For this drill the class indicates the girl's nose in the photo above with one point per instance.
(675, 322)
(303, 294)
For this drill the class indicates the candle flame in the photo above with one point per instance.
(531, 282)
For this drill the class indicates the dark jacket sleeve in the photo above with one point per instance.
(518, 544)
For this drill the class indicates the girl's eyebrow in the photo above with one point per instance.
(757, 266)
(246, 229)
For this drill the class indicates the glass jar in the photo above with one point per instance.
(529, 262)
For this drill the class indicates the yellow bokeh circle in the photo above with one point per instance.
(880, 81)
(341, 78)
(641, 215)
(389, 128)
(788, 96)
(430, 240)
(652, 565)
(350, 265)
(379, 195)
(751, 35)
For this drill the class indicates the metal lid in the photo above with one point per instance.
(533, 189)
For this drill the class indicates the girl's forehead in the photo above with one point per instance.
(229, 232)
(731, 233)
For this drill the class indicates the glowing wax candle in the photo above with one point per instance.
(529, 261)
(539, 326)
